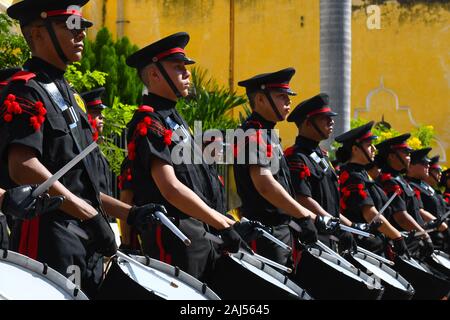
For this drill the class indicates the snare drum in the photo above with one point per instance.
(143, 278)
(428, 285)
(325, 277)
(22, 278)
(241, 277)
(395, 286)
(441, 262)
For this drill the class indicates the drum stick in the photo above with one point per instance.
(386, 205)
(270, 237)
(334, 254)
(50, 181)
(356, 231)
(269, 262)
(169, 224)
(375, 256)
(418, 233)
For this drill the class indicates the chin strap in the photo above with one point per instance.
(169, 81)
(323, 135)
(56, 45)
(272, 104)
(405, 166)
(365, 153)
(434, 177)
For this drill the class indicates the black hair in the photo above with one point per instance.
(344, 153)
(251, 99)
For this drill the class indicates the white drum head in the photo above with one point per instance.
(442, 259)
(382, 272)
(160, 282)
(269, 274)
(350, 271)
(22, 278)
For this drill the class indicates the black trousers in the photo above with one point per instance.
(197, 259)
(48, 241)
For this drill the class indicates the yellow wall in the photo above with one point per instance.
(410, 52)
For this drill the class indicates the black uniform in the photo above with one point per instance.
(94, 103)
(5, 74)
(432, 200)
(105, 185)
(151, 136)
(43, 127)
(358, 189)
(312, 174)
(434, 203)
(254, 205)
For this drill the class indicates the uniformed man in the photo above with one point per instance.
(406, 215)
(433, 206)
(314, 180)
(262, 177)
(160, 149)
(94, 108)
(46, 130)
(361, 197)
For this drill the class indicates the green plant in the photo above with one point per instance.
(116, 119)
(108, 56)
(14, 50)
(84, 81)
(212, 105)
(425, 133)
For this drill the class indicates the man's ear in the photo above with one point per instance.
(260, 98)
(153, 73)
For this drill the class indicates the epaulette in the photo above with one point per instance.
(14, 105)
(23, 76)
(144, 126)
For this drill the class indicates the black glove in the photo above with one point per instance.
(426, 248)
(19, 202)
(248, 230)
(144, 215)
(326, 224)
(232, 241)
(101, 236)
(433, 224)
(346, 242)
(400, 247)
(308, 234)
(366, 227)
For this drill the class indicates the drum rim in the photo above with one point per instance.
(176, 272)
(415, 263)
(373, 284)
(302, 293)
(43, 271)
(441, 254)
(377, 263)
